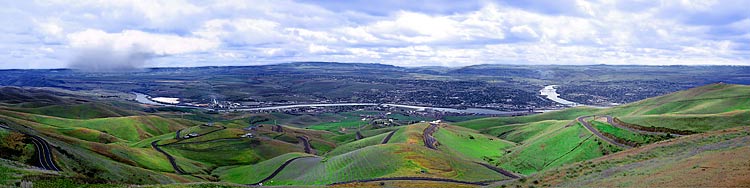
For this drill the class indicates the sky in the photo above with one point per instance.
(125, 34)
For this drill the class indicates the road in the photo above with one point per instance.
(388, 137)
(591, 128)
(306, 143)
(177, 135)
(500, 170)
(612, 122)
(429, 140)
(177, 169)
(359, 135)
(43, 152)
(278, 170)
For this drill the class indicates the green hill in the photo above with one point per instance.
(705, 108)
(550, 149)
(711, 159)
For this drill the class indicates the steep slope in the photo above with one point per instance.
(711, 159)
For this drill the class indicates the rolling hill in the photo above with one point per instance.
(691, 133)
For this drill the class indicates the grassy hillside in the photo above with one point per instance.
(131, 128)
(705, 108)
(389, 160)
(239, 174)
(567, 114)
(702, 160)
(554, 144)
(470, 144)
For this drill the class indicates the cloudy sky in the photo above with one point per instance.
(113, 34)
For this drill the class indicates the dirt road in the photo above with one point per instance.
(429, 140)
(306, 143)
(388, 137)
(593, 130)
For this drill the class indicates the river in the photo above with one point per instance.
(552, 94)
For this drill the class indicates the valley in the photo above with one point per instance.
(68, 137)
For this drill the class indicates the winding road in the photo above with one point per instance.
(43, 153)
(177, 135)
(612, 122)
(177, 169)
(278, 170)
(306, 143)
(593, 130)
(431, 142)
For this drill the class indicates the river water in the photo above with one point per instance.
(552, 94)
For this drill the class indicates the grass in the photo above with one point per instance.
(349, 137)
(709, 99)
(78, 111)
(389, 160)
(232, 152)
(695, 122)
(471, 144)
(247, 174)
(567, 114)
(521, 132)
(355, 145)
(633, 137)
(131, 129)
(336, 126)
(558, 146)
(701, 160)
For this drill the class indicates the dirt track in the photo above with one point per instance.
(278, 170)
(611, 121)
(388, 137)
(306, 143)
(429, 140)
(500, 170)
(359, 135)
(177, 169)
(593, 130)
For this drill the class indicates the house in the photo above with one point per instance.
(247, 135)
(193, 134)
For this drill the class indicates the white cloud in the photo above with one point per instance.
(159, 44)
(238, 32)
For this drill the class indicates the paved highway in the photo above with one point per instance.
(43, 152)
